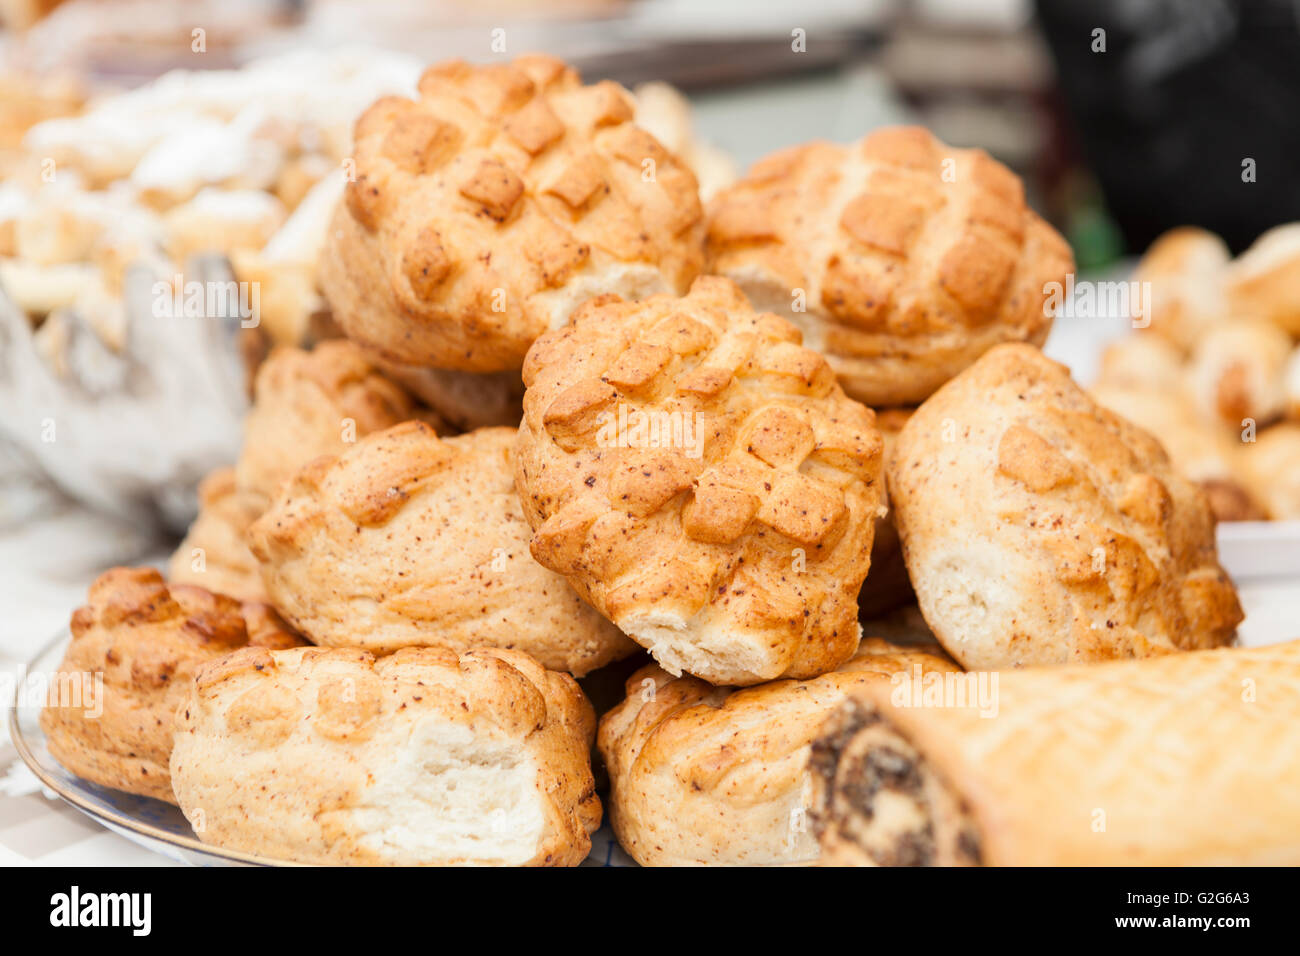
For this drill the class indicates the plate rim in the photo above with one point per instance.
(97, 813)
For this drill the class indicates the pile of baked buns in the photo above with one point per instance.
(1214, 368)
(767, 464)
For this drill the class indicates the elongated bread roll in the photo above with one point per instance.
(1190, 759)
(709, 776)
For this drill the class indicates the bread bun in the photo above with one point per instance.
(411, 540)
(308, 404)
(328, 756)
(901, 259)
(701, 479)
(135, 646)
(1039, 528)
(704, 775)
(483, 213)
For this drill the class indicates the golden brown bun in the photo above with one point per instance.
(215, 554)
(1271, 468)
(309, 404)
(732, 548)
(406, 539)
(327, 756)
(1040, 528)
(1238, 371)
(146, 640)
(705, 775)
(1264, 281)
(913, 257)
(485, 213)
(1185, 269)
(1185, 760)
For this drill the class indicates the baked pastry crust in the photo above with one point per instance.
(1185, 270)
(308, 404)
(219, 535)
(329, 756)
(1086, 544)
(482, 214)
(705, 775)
(1291, 385)
(1237, 372)
(407, 539)
(1185, 760)
(913, 257)
(730, 535)
(1264, 281)
(146, 639)
(1271, 468)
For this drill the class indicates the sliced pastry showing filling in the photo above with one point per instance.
(880, 802)
(704, 775)
(1180, 760)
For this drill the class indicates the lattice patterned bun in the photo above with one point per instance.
(308, 404)
(484, 213)
(700, 478)
(705, 775)
(406, 539)
(1040, 528)
(422, 757)
(144, 640)
(902, 259)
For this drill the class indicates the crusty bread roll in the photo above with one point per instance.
(135, 646)
(702, 480)
(1185, 760)
(900, 258)
(215, 554)
(1271, 467)
(308, 404)
(327, 756)
(406, 539)
(1040, 528)
(1185, 270)
(704, 775)
(1264, 281)
(1237, 373)
(1200, 448)
(484, 213)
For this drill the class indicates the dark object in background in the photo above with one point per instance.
(1185, 91)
